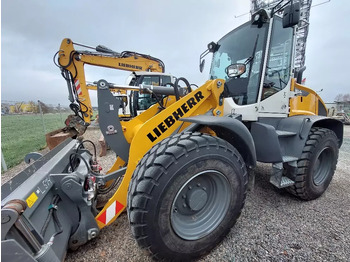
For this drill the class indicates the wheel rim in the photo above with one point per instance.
(323, 166)
(200, 205)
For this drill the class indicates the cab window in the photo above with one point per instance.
(151, 80)
(144, 101)
(166, 80)
(279, 60)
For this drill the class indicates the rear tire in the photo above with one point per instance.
(185, 195)
(317, 164)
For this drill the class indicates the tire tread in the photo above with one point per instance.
(163, 155)
(316, 135)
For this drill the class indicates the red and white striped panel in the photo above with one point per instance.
(77, 87)
(110, 212)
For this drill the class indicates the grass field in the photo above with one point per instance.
(22, 134)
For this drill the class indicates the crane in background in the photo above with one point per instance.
(302, 29)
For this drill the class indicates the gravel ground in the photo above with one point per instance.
(274, 226)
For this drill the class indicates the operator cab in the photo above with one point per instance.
(139, 101)
(256, 62)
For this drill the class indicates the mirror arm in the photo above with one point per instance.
(203, 54)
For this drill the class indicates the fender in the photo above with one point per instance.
(231, 130)
(302, 124)
(333, 124)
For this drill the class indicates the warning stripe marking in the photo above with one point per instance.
(110, 212)
(77, 87)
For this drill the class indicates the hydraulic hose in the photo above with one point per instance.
(176, 88)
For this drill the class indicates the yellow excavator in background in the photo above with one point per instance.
(72, 61)
(182, 165)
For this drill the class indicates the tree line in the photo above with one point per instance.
(342, 98)
(30, 107)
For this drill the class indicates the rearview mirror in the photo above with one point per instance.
(235, 70)
(201, 65)
(291, 15)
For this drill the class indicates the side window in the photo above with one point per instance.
(132, 82)
(151, 80)
(166, 80)
(144, 101)
(279, 59)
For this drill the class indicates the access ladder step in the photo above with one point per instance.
(281, 182)
(277, 179)
(282, 133)
(287, 159)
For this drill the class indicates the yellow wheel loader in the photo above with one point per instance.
(184, 162)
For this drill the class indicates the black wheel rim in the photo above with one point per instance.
(323, 166)
(200, 205)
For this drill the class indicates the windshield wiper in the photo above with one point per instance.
(251, 58)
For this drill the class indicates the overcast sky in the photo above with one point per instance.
(177, 32)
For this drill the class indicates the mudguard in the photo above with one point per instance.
(231, 130)
(302, 124)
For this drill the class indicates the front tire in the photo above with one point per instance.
(317, 164)
(185, 195)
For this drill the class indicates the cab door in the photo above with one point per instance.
(275, 89)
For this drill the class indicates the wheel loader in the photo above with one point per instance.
(183, 165)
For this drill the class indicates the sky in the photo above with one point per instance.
(177, 32)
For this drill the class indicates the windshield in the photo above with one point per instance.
(246, 44)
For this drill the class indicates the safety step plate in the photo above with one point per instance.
(282, 133)
(281, 182)
(287, 159)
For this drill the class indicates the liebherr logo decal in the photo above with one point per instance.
(130, 66)
(178, 113)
